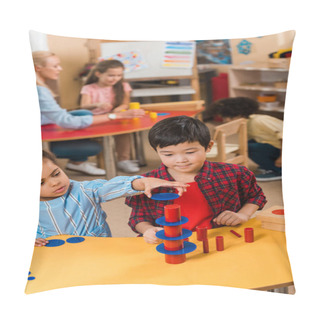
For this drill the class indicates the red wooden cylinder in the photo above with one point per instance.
(173, 231)
(248, 235)
(279, 212)
(219, 243)
(205, 246)
(173, 245)
(201, 233)
(175, 259)
(172, 213)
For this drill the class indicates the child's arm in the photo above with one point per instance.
(148, 231)
(230, 218)
(147, 184)
(123, 186)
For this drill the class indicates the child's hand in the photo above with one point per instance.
(40, 242)
(150, 235)
(133, 113)
(121, 108)
(230, 218)
(278, 162)
(147, 184)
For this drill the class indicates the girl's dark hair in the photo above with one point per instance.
(50, 156)
(102, 67)
(176, 130)
(234, 107)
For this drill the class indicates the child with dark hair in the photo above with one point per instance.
(264, 134)
(218, 193)
(73, 207)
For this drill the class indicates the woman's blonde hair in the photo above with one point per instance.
(40, 59)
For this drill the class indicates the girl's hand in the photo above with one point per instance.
(97, 111)
(278, 162)
(230, 218)
(132, 113)
(40, 242)
(150, 235)
(121, 108)
(147, 184)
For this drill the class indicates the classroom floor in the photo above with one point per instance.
(118, 213)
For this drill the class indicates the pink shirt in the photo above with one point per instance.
(102, 94)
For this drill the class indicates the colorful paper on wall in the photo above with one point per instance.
(213, 51)
(132, 60)
(178, 54)
(244, 47)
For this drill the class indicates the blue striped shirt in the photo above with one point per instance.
(51, 112)
(78, 212)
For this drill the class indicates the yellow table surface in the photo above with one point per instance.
(263, 264)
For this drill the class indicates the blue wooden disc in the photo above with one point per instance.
(163, 113)
(31, 278)
(188, 247)
(185, 234)
(165, 196)
(55, 243)
(75, 240)
(162, 222)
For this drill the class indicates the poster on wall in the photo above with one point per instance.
(178, 54)
(132, 60)
(213, 52)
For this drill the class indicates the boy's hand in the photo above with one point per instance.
(230, 218)
(40, 242)
(147, 184)
(278, 162)
(150, 235)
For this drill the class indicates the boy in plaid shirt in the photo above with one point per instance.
(218, 193)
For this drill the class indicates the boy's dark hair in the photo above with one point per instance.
(235, 107)
(175, 130)
(48, 155)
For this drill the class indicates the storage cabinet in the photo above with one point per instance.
(257, 81)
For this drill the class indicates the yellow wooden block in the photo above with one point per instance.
(269, 216)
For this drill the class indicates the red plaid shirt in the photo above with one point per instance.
(225, 187)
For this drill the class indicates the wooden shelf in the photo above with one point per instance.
(163, 91)
(259, 88)
(258, 79)
(259, 68)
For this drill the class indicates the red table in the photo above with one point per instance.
(53, 132)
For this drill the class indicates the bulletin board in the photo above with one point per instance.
(152, 54)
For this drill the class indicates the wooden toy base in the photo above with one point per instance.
(271, 219)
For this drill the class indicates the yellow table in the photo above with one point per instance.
(263, 264)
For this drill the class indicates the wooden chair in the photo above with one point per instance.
(221, 151)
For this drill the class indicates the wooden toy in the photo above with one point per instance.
(219, 243)
(235, 233)
(173, 247)
(134, 105)
(202, 235)
(205, 244)
(248, 235)
(153, 115)
(272, 218)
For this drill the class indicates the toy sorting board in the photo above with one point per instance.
(272, 218)
(263, 264)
